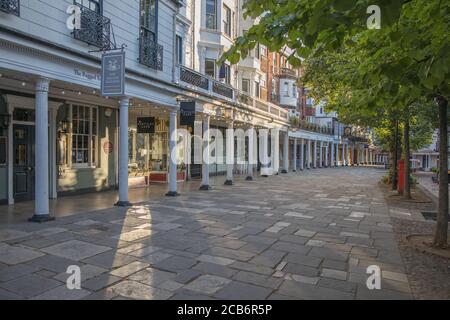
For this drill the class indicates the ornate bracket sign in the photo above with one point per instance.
(113, 74)
(187, 113)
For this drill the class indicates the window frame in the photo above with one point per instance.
(145, 29)
(214, 68)
(257, 51)
(286, 89)
(257, 89)
(213, 15)
(227, 71)
(179, 49)
(99, 4)
(227, 20)
(248, 85)
(92, 148)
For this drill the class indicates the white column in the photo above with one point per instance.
(230, 154)
(321, 154)
(41, 209)
(10, 158)
(206, 153)
(53, 134)
(294, 165)
(347, 162)
(332, 153)
(302, 154)
(337, 154)
(286, 153)
(314, 155)
(308, 155)
(263, 152)
(173, 154)
(327, 150)
(275, 150)
(123, 153)
(251, 153)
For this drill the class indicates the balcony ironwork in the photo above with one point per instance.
(10, 6)
(245, 99)
(222, 89)
(286, 72)
(313, 127)
(95, 29)
(357, 138)
(194, 78)
(262, 106)
(150, 53)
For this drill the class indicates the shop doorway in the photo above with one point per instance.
(23, 160)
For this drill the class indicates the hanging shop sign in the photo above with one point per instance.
(113, 74)
(187, 113)
(146, 125)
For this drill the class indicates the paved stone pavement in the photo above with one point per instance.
(308, 235)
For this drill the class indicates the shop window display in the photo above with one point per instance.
(148, 152)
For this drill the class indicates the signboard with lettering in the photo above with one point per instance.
(146, 125)
(113, 74)
(187, 113)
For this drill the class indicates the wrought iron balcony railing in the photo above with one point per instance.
(313, 127)
(194, 78)
(201, 81)
(357, 138)
(222, 89)
(95, 29)
(10, 6)
(150, 53)
(286, 72)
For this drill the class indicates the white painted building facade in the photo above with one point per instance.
(60, 136)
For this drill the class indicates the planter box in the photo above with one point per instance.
(181, 176)
(163, 177)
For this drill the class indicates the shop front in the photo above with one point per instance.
(148, 147)
(82, 147)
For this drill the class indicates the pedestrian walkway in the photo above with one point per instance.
(87, 202)
(304, 235)
(427, 185)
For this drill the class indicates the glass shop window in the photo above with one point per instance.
(84, 135)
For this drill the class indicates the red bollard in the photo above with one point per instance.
(401, 176)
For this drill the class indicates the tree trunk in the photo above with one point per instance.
(395, 172)
(440, 236)
(407, 192)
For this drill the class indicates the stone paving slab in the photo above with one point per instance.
(294, 236)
